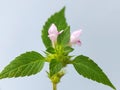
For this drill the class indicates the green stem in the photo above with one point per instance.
(54, 86)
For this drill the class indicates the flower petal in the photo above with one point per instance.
(77, 33)
(52, 37)
(78, 42)
(53, 30)
(74, 38)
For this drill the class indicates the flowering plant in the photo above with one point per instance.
(58, 42)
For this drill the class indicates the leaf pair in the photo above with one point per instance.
(32, 62)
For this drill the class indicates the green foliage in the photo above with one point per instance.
(59, 20)
(26, 64)
(58, 57)
(64, 37)
(55, 66)
(68, 49)
(51, 50)
(89, 69)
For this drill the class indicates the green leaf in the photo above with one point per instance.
(64, 37)
(26, 64)
(89, 69)
(55, 66)
(59, 20)
(50, 50)
(68, 49)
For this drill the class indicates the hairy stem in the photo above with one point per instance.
(54, 86)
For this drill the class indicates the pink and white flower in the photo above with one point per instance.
(53, 33)
(74, 38)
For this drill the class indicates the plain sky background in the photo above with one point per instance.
(21, 22)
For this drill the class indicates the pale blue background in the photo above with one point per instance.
(21, 22)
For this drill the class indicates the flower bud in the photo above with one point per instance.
(53, 33)
(74, 38)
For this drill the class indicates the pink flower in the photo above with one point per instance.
(53, 33)
(74, 38)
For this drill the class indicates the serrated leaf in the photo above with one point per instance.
(26, 64)
(59, 20)
(55, 66)
(64, 37)
(50, 50)
(89, 69)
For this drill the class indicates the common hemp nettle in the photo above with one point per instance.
(58, 41)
